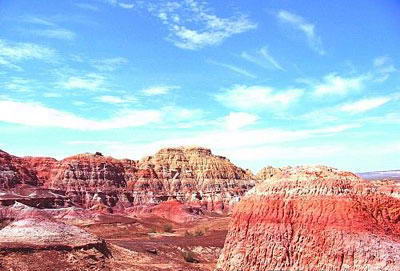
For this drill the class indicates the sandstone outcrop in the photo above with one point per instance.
(194, 174)
(190, 175)
(84, 172)
(13, 172)
(35, 233)
(41, 167)
(314, 218)
(268, 172)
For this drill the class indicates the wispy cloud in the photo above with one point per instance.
(48, 29)
(12, 53)
(109, 64)
(23, 51)
(334, 84)
(91, 81)
(37, 20)
(226, 142)
(34, 114)
(307, 28)
(263, 58)
(121, 4)
(383, 68)
(116, 99)
(55, 33)
(237, 120)
(258, 97)
(192, 25)
(158, 90)
(87, 6)
(364, 105)
(233, 68)
(18, 84)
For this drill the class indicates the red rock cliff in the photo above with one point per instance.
(314, 219)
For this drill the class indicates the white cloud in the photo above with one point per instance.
(384, 68)
(263, 58)
(308, 29)
(121, 4)
(18, 84)
(158, 90)
(194, 26)
(258, 97)
(116, 99)
(87, 6)
(381, 61)
(33, 114)
(109, 64)
(364, 105)
(233, 68)
(91, 81)
(23, 51)
(227, 142)
(237, 120)
(49, 29)
(336, 85)
(55, 33)
(37, 20)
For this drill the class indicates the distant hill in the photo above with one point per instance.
(377, 175)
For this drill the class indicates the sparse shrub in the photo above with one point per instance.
(152, 230)
(168, 228)
(198, 232)
(189, 257)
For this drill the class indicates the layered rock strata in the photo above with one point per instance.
(312, 219)
(191, 175)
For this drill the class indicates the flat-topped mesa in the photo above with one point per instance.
(195, 176)
(14, 172)
(193, 163)
(89, 172)
(314, 218)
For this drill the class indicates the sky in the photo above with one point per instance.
(274, 82)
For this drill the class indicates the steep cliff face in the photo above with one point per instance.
(191, 175)
(89, 172)
(42, 167)
(13, 172)
(194, 174)
(314, 219)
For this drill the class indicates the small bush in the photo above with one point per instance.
(152, 230)
(198, 233)
(168, 228)
(189, 257)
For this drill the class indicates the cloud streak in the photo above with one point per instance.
(305, 27)
(263, 58)
(233, 68)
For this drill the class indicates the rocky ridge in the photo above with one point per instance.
(314, 218)
(191, 175)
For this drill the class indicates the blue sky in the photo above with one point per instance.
(261, 82)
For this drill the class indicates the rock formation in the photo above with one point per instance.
(314, 218)
(190, 175)
(13, 172)
(37, 233)
(268, 172)
(42, 168)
